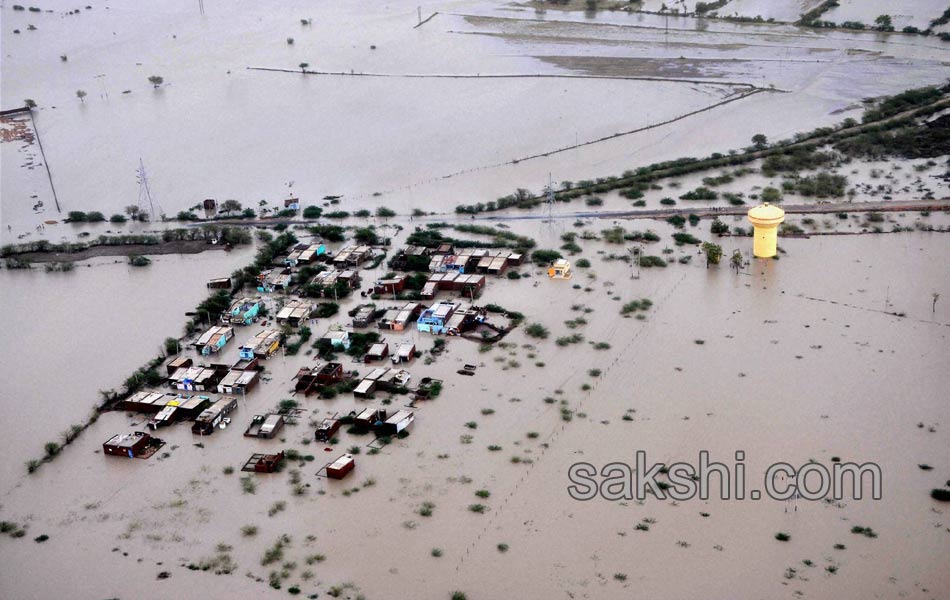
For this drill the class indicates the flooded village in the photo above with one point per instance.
(328, 299)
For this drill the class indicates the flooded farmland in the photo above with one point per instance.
(837, 350)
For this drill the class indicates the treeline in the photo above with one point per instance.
(632, 183)
(882, 22)
(270, 248)
(926, 140)
(229, 235)
(430, 237)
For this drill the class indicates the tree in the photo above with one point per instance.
(156, 80)
(133, 211)
(365, 235)
(771, 194)
(81, 94)
(884, 23)
(384, 212)
(303, 66)
(718, 227)
(713, 253)
(230, 206)
(29, 103)
(117, 218)
(760, 141)
(935, 296)
(737, 260)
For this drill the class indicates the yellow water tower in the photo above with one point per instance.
(765, 218)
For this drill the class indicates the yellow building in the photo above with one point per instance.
(765, 218)
(560, 269)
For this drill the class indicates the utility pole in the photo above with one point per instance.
(201, 7)
(419, 11)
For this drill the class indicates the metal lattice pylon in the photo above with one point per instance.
(146, 203)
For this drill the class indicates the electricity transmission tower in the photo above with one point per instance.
(146, 204)
(549, 194)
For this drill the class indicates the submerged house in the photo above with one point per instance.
(397, 423)
(191, 407)
(411, 258)
(304, 254)
(262, 345)
(337, 338)
(147, 401)
(327, 430)
(243, 311)
(264, 426)
(329, 279)
(127, 444)
(466, 285)
(273, 280)
(382, 378)
(220, 283)
(390, 286)
(352, 256)
(560, 269)
(435, 318)
(404, 352)
(309, 380)
(238, 381)
(363, 315)
(263, 463)
(377, 351)
(339, 468)
(176, 363)
(211, 417)
(397, 319)
(293, 312)
(198, 379)
(214, 339)
(463, 320)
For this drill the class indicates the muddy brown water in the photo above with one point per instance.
(863, 382)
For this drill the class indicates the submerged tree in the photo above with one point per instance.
(156, 80)
(760, 141)
(81, 94)
(935, 296)
(713, 253)
(230, 206)
(884, 23)
(736, 260)
(303, 66)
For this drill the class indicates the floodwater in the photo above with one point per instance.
(72, 334)
(802, 358)
(216, 129)
(800, 361)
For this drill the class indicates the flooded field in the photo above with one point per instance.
(839, 392)
(85, 331)
(204, 132)
(838, 350)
